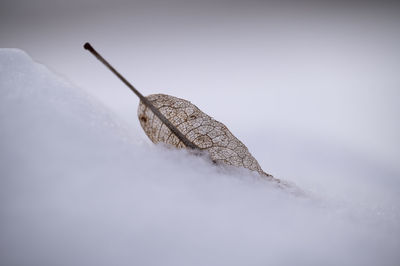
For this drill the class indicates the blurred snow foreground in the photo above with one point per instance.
(77, 188)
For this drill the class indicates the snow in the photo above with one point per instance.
(79, 187)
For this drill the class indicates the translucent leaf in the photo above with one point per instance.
(199, 128)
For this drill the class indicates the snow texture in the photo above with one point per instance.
(79, 188)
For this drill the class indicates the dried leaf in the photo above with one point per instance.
(179, 123)
(201, 130)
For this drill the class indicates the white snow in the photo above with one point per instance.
(78, 187)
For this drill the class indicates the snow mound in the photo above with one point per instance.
(78, 188)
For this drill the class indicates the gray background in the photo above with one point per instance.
(273, 72)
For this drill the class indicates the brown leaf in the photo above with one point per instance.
(179, 123)
(201, 130)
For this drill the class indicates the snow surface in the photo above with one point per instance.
(78, 187)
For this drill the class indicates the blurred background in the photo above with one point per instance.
(275, 72)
